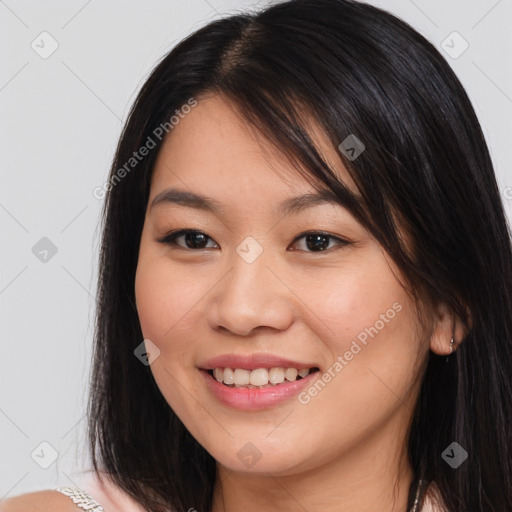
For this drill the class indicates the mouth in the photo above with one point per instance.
(257, 389)
(259, 378)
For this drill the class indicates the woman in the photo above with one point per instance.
(306, 279)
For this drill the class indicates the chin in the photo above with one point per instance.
(254, 455)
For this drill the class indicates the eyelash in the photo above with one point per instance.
(171, 237)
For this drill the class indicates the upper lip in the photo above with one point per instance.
(253, 361)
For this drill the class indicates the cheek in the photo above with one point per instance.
(361, 303)
(165, 315)
(368, 322)
(156, 304)
(165, 296)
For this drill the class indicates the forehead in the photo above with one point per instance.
(214, 151)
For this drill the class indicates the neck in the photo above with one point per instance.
(369, 477)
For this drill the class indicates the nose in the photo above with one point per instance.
(251, 296)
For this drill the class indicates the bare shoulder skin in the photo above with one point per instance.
(39, 501)
(102, 490)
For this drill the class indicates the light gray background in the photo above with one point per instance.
(61, 118)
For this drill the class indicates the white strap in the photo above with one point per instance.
(81, 499)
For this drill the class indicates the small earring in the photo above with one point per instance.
(451, 350)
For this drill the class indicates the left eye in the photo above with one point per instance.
(315, 241)
(320, 241)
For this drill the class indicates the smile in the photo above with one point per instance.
(252, 397)
(259, 377)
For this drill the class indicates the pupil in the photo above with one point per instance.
(315, 239)
(192, 238)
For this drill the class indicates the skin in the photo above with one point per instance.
(345, 448)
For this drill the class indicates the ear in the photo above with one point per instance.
(446, 326)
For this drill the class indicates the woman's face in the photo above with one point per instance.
(249, 286)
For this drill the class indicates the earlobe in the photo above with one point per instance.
(447, 333)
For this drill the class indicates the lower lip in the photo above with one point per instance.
(254, 398)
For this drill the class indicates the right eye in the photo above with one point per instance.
(193, 239)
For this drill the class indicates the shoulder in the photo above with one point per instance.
(108, 494)
(39, 501)
(99, 487)
(433, 501)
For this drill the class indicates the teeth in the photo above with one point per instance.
(242, 377)
(259, 377)
(276, 375)
(228, 376)
(291, 374)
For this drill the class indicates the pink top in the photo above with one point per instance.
(112, 499)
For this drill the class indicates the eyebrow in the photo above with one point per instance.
(288, 206)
